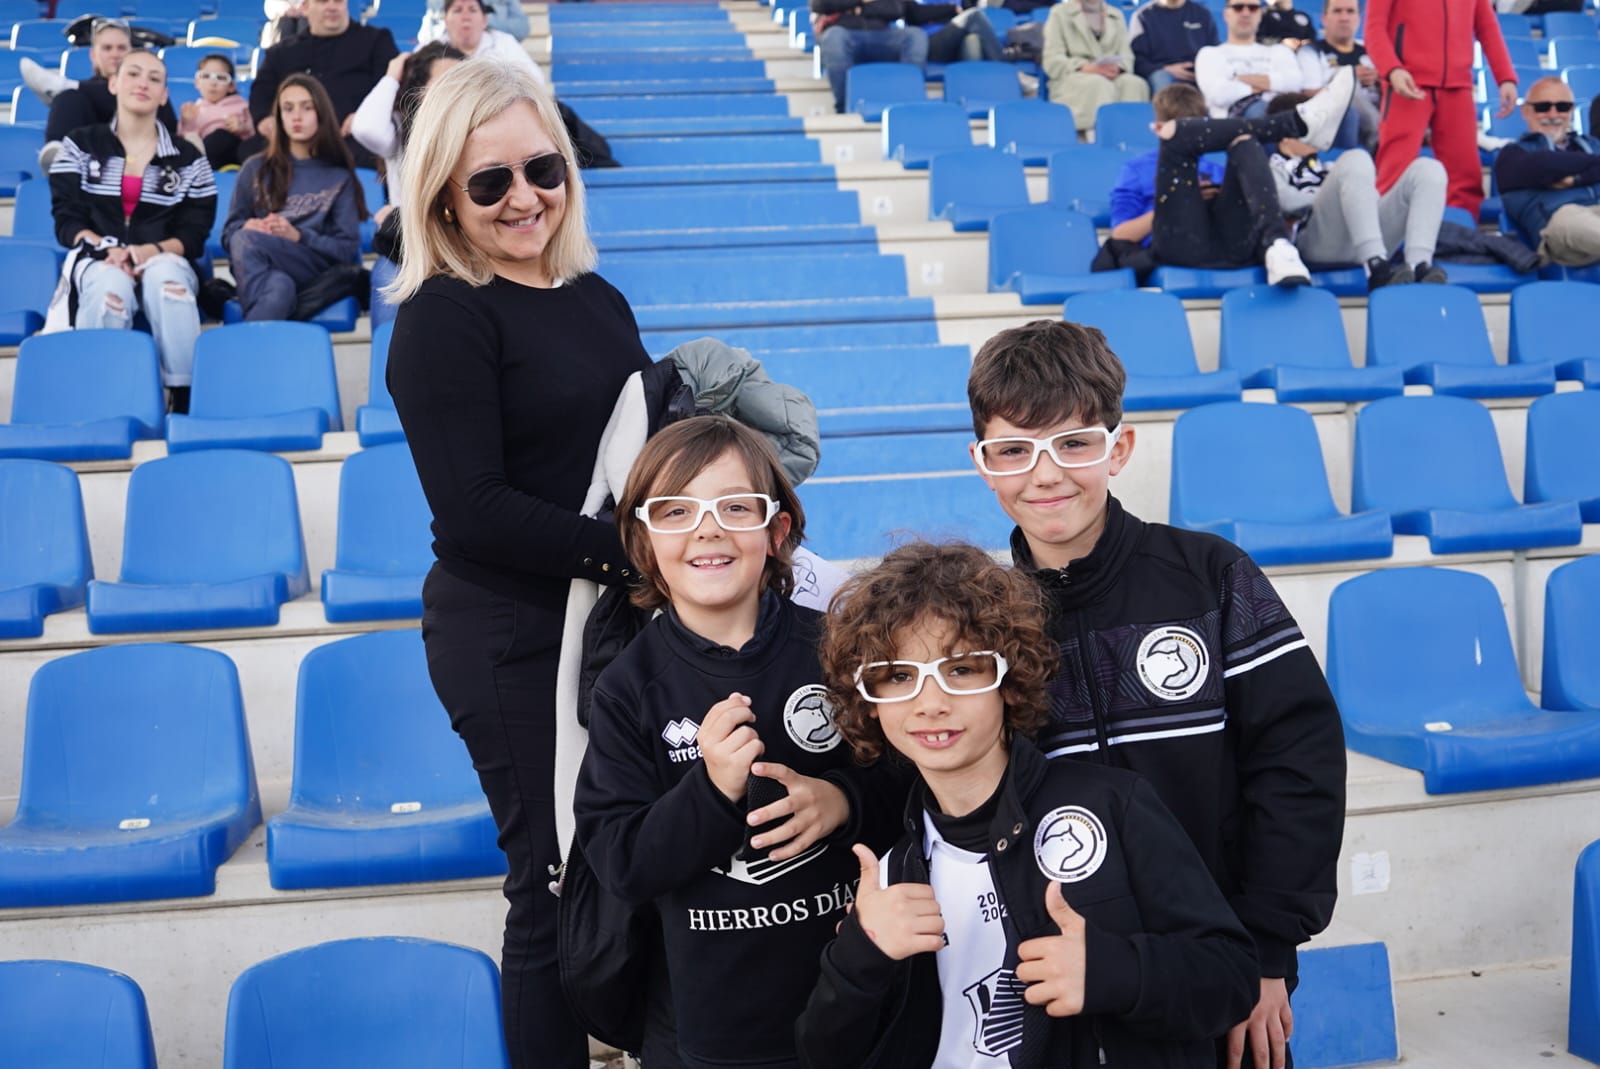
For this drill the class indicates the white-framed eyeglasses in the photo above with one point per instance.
(977, 672)
(1081, 448)
(733, 512)
(213, 76)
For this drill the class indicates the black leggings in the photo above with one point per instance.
(1233, 228)
(493, 661)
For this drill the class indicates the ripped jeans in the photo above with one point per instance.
(110, 297)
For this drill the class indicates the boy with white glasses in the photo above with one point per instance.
(1178, 660)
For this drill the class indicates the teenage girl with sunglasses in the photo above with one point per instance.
(507, 355)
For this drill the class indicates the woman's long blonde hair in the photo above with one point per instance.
(456, 104)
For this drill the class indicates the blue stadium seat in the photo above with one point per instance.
(244, 30)
(970, 187)
(403, 28)
(803, 332)
(1257, 322)
(1043, 253)
(383, 309)
(1515, 25)
(63, 1015)
(14, 11)
(685, 280)
(1583, 81)
(1125, 126)
(879, 390)
(686, 106)
(915, 133)
(1149, 332)
(44, 545)
(676, 209)
(1344, 1012)
(1420, 661)
(27, 109)
(84, 395)
(337, 318)
(1205, 283)
(1082, 179)
(1574, 51)
(1568, 24)
(384, 790)
(385, 547)
(226, 180)
(31, 270)
(978, 85)
(77, 64)
(165, 9)
(1583, 1011)
(1563, 442)
(1571, 673)
(186, 560)
(1541, 321)
(927, 453)
(871, 87)
(1253, 474)
(1437, 336)
(1434, 464)
(73, 9)
(849, 519)
(259, 386)
(376, 421)
(19, 145)
(136, 778)
(182, 61)
(1524, 51)
(1035, 130)
(39, 35)
(31, 219)
(398, 1003)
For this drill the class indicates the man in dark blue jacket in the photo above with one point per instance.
(1166, 35)
(1550, 179)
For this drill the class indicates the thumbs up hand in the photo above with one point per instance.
(1053, 966)
(901, 920)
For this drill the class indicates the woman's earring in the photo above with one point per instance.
(449, 216)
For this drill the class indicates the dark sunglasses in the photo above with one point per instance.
(489, 187)
(1542, 106)
(1244, 7)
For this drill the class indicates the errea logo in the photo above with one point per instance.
(680, 736)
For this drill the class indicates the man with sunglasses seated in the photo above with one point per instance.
(1239, 76)
(1550, 179)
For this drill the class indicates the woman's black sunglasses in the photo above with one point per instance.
(489, 186)
(1542, 106)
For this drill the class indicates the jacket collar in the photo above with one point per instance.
(1085, 579)
(1025, 770)
(164, 143)
(1573, 142)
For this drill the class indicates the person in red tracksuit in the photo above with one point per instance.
(1423, 50)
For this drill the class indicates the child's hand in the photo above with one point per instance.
(1053, 966)
(815, 808)
(901, 920)
(729, 745)
(188, 111)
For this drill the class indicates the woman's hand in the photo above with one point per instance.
(120, 256)
(396, 66)
(815, 808)
(278, 225)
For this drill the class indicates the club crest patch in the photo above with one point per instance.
(808, 718)
(1173, 663)
(1070, 844)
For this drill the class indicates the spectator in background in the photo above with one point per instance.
(1281, 21)
(1343, 218)
(219, 121)
(508, 18)
(297, 207)
(852, 31)
(346, 57)
(1089, 59)
(1424, 57)
(1550, 179)
(84, 103)
(384, 117)
(1165, 36)
(1239, 76)
(135, 205)
(467, 29)
(1338, 47)
(968, 35)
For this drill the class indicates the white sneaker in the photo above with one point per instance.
(45, 83)
(1284, 266)
(1489, 143)
(1324, 112)
(47, 155)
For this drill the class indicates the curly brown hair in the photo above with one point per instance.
(670, 461)
(989, 607)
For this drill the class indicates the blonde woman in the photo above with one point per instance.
(508, 354)
(1089, 59)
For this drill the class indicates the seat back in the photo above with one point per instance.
(399, 1003)
(383, 516)
(616, 210)
(1583, 81)
(1125, 125)
(31, 216)
(39, 34)
(370, 734)
(924, 128)
(226, 181)
(1040, 239)
(1427, 452)
(1524, 51)
(1542, 316)
(144, 731)
(30, 271)
(63, 1015)
(183, 60)
(1411, 325)
(378, 366)
(43, 536)
(212, 516)
(1237, 461)
(978, 85)
(1575, 51)
(1409, 646)
(978, 176)
(1148, 331)
(19, 153)
(767, 277)
(1571, 672)
(1082, 179)
(27, 108)
(1567, 24)
(1583, 1013)
(1259, 321)
(871, 87)
(83, 375)
(1562, 446)
(1037, 124)
(264, 369)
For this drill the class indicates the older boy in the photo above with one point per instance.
(1178, 660)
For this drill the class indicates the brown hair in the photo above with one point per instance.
(670, 461)
(1179, 101)
(1043, 373)
(987, 606)
(277, 164)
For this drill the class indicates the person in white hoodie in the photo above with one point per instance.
(466, 26)
(1089, 59)
(1239, 76)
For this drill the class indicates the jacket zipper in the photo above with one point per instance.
(1095, 697)
(1444, 53)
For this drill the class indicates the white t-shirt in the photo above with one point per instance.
(1217, 69)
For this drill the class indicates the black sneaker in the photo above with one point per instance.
(178, 402)
(1427, 272)
(1381, 272)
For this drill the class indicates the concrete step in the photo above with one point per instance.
(1493, 1018)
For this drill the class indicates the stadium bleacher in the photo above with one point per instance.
(746, 209)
